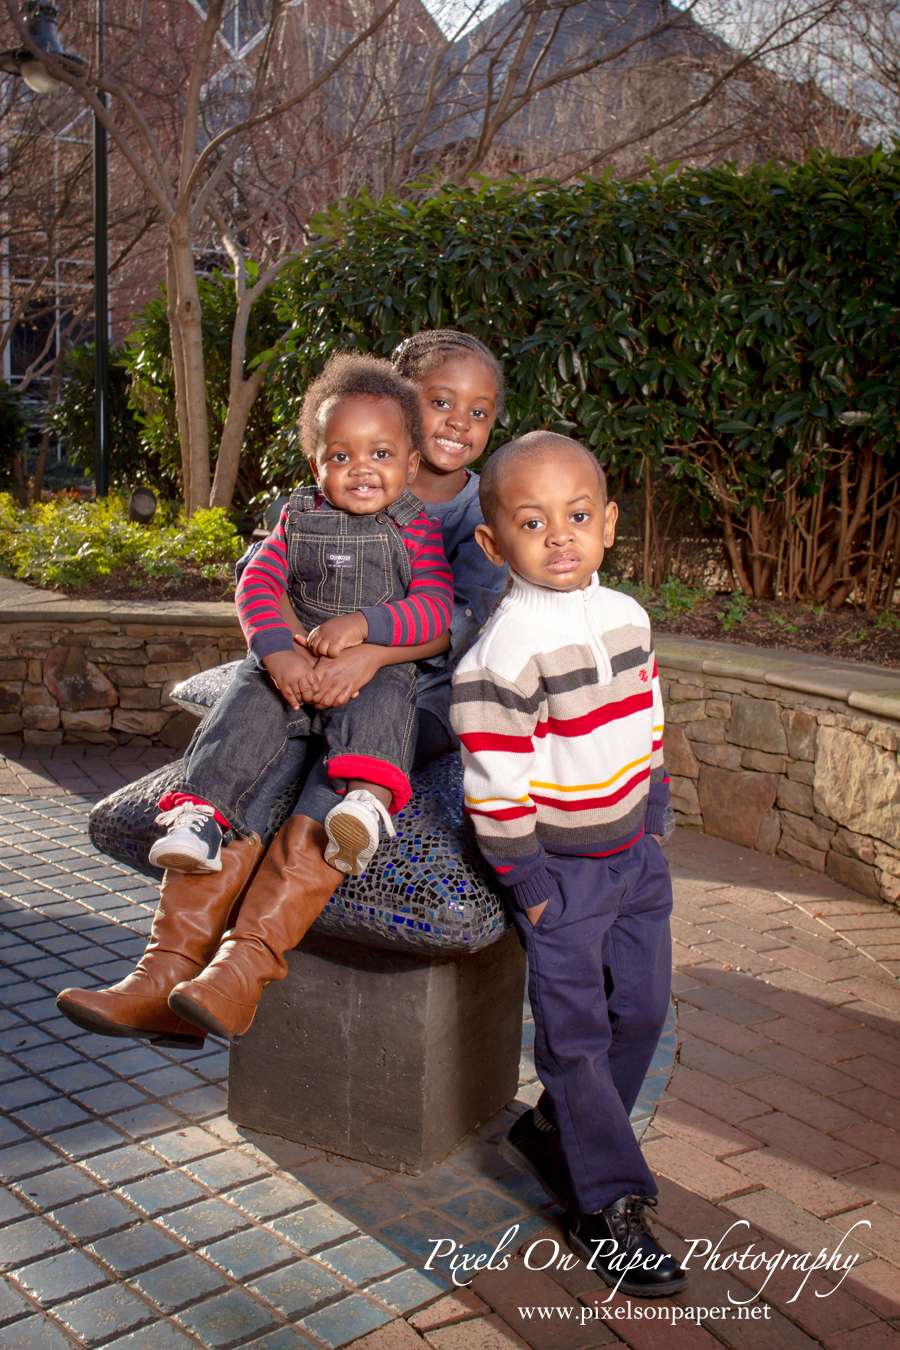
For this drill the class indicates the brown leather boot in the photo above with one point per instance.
(292, 887)
(192, 915)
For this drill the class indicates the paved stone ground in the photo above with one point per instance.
(135, 1215)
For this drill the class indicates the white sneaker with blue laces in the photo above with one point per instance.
(193, 842)
(354, 831)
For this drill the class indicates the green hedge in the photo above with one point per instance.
(134, 460)
(12, 431)
(733, 338)
(736, 334)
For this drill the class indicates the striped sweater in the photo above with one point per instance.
(559, 712)
(423, 614)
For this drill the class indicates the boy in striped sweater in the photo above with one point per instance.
(559, 714)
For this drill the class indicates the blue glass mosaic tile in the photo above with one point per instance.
(427, 889)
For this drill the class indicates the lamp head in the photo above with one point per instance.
(41, 16)
(142, 506)
(37, 76)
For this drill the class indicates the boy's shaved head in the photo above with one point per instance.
(533, 447)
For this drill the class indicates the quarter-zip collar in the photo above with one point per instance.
(577, 615)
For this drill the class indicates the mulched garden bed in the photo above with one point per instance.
(847, 633)
(124, 583)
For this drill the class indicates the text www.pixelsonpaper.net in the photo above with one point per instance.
(635, 1312)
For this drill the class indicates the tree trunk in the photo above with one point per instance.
(190, 336)
(21, 491)
(184, 435)
(242, 396)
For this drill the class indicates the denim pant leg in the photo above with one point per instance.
(373, 736)
(588, 987)
(319, 794)
(248, 750)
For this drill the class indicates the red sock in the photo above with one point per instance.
(170, 800)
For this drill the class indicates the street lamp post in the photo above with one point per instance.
(101, 283)
(25, 61)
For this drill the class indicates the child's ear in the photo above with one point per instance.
(413, 465)
(612, 515)
(313, 466)
(484, 537)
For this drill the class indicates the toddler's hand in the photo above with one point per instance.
(342, 677)
(295, 675)
(332, 636)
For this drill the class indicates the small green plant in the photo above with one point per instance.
(735, 611)
(641, 593)
(783, 622)
(213, 572)
(852, 638)
(161, 568)
(676, 598)
(887, 623)
(70, 543)
(815, 610)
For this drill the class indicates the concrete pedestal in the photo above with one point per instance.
(382, 1056)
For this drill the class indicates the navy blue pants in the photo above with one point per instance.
(600, 971)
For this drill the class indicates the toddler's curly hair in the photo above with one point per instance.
(347, 375)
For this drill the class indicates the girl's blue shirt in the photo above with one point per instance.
(477, 586)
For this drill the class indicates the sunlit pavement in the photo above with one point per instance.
(136, 1215)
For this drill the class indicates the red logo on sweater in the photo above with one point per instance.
(644, 676)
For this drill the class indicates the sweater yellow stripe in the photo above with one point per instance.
(592, 787)
(480, 801)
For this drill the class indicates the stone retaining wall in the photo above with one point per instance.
(70, 673)
(787, 770)
(785, 753)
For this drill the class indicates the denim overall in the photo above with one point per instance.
(253, 745)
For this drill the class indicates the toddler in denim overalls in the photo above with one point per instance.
(360, 561)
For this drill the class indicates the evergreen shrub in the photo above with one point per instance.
(730, 337)
(70, 543)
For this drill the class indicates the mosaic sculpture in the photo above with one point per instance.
(427, 889)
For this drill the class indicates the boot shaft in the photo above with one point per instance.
(193, 911)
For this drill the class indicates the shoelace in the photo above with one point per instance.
(188, 813)
(634, 1222)
(383, 812)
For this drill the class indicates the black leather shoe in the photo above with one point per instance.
(636, 1265)
(540, 1153)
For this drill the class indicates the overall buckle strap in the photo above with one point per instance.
(404, 509)
(303, 500)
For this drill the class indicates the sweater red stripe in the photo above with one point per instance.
(486, 740)
(598, 717)
(508, 813)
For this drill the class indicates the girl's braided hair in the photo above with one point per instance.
(416, 355)
(349, 374)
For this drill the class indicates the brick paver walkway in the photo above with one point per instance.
(135, 1215)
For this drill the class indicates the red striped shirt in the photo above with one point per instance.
(424, 613)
